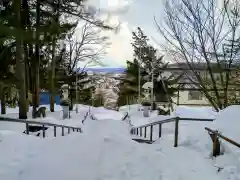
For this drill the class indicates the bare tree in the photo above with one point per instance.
(204, 35)
(88, 46)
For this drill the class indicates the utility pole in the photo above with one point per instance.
(152, 94)
(139, 82)
(76, 93)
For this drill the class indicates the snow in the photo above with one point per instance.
(103, 113)
(228, 122)
(105, 150)
(195, 112)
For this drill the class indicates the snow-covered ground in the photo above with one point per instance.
(105, 151)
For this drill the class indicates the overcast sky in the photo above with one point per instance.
(131, 14)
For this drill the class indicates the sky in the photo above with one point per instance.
(130, 14)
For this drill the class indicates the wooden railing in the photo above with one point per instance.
(44, 125)
(216, 144)
(142, 130)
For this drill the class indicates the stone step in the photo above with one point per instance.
(143, 141)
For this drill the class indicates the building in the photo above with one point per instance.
(187, 94)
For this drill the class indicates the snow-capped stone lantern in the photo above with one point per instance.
(148, 86)
(146, 108)
(64, 102)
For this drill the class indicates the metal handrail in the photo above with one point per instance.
(157, 122)
(6, 119)
(125, 116)
(171, 120)
(142, 130)
(85, 117)
(43, 124)
(93, 117)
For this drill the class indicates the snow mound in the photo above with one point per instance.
(132, 108)
(107, 128)
(195, 112)
(101, 113)
(228, 122)
(104, 151)
(16, 149)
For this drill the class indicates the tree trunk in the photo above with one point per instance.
(53, 65)
(22, 84)
(26, 79)
(36, 62)
(52, 78)
(71, 100)
(20, 67)
(3, 100)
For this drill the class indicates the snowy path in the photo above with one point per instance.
(104, 151)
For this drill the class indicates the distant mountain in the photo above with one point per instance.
(106, 69)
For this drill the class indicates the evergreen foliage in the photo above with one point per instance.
(31, 56)
(145, 57)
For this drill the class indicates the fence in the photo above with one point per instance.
(140, 132)
(44, 125)
(216, 144)
(93, 117)
(85, 117)
(125, 116)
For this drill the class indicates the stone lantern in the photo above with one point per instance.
(64, 102)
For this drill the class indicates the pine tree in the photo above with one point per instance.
(145, 57)
(129, 85)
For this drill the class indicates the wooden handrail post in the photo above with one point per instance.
(214, 151)
(68, 130)
(141, 132)
(223, 137)
(176, 132)
(137, 131)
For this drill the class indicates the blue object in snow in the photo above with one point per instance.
(45, 98)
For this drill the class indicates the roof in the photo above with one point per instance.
(106, 69)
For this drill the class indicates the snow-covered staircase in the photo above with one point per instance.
(145, 134)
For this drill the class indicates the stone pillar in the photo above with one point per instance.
(64, 102)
